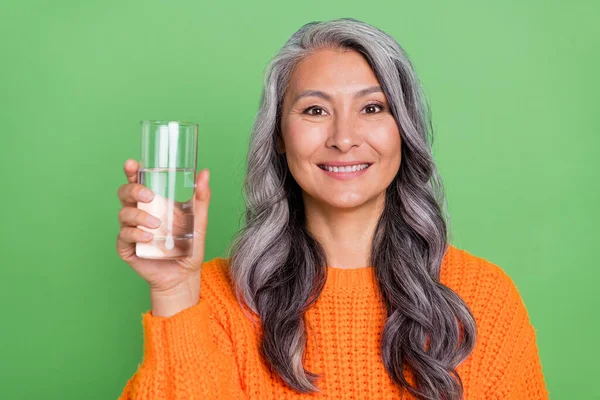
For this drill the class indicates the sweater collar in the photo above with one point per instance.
(350, 278)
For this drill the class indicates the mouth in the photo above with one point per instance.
(345, 169)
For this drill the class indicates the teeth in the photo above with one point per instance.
(348, 168)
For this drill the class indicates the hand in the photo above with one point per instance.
(168, 279)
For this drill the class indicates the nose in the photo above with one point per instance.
(344, 134)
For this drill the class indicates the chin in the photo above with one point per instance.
(346, 201)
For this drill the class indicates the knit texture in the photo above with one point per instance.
(210, 351)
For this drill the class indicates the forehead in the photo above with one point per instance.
(333, 70)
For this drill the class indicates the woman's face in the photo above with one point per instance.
(334, 113)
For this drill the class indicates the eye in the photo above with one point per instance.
(374, 106)
(314, 108)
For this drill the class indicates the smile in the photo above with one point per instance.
(344, 172)
(346, 168)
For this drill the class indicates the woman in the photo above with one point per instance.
(342, 281)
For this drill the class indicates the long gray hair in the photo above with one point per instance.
(279, 269)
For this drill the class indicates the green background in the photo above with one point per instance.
(514, 91)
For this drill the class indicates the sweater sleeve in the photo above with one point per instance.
(186, 356)
(517, 370)
(530, 381)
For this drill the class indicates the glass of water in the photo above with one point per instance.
(168, 168)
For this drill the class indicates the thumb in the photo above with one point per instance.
(201, 202)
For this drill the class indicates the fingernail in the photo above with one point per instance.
(146, 195)
(153, 221)
(147, 235)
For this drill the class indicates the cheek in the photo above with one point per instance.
(302, 139)
(386, 141)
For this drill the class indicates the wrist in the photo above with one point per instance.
(166, 303)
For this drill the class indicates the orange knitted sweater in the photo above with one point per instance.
(210, 351)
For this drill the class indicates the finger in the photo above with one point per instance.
(130, 235)
(131, 170)
(126, 240)
(202, 201)
(201, 204)
(132, 193)
(133, 216)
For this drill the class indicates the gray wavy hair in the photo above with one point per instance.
(278, 268)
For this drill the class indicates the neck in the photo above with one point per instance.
(346, 234)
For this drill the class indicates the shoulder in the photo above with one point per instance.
(506, 350)
(217, 289)
(215, 279)
(487, 289)
(462, 271)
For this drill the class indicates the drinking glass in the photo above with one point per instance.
(168, 168)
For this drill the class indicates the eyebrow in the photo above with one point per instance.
(323, 95)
